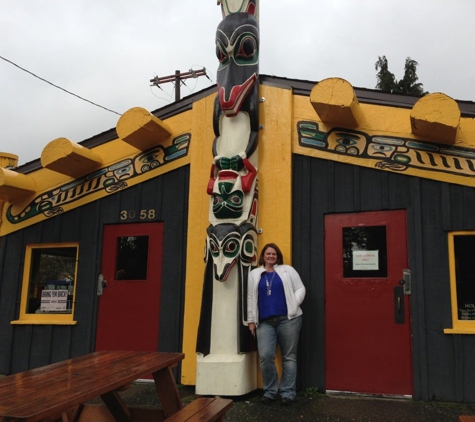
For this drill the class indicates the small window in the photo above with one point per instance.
(49, 284)
(462, 282)
(365, 252)
(131, 258)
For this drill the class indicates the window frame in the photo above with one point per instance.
(45, 318)
(458, 326)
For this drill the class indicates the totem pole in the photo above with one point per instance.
(226, 362)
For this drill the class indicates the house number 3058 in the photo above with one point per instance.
(141, 215)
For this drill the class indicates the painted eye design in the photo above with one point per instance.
(248, 250)
(347, 143)
(231, 248)
(382, 148)
(236, 199)
(214, 248)
(347, 140)
(247, 47)
(217, 200)
(221, 53)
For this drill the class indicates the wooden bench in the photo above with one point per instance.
(466, 418)
(203, 410)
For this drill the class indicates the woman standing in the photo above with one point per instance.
(275, 292)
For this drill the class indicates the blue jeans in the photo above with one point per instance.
(285, 332)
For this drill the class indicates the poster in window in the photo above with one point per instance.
(54, 300)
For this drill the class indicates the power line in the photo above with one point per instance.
(178, 78)
(56, 86)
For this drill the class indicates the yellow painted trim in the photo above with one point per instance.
(201, 158)
(60, 319)
(459, 330)
(15, 185)
(45, 322)
(370, 163)
(141, 129)
(7, 227)
(8, 160)
(334, 100)
(275, 169)
(66, 157)
(436, 117)
(459, 326)
(376, 120)
(113, 152)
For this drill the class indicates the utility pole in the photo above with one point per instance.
(177, 78)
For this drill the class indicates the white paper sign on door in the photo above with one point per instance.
(366, 260)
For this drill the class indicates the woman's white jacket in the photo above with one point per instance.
(293, 288)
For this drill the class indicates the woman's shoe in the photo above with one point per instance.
(266, 399)
(286, 401)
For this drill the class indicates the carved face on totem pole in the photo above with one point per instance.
(228, 244)
(237, 49)
(228, 196)
(231, 241)
(233, 173)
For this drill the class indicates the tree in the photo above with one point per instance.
(387, 82)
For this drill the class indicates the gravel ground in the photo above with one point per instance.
(314, 407)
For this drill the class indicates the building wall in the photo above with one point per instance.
(295, 192)
(443, 366)
(28, 346)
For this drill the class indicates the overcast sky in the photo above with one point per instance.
(106, 51)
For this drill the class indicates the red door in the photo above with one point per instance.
(367, 317)
(128, 315)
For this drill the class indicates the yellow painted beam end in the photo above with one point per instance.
(335, 101)
(66, 157)
(15, 186)
(436, 117)
(141, 129)
(8, 160)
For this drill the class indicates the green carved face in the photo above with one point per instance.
(228, 202)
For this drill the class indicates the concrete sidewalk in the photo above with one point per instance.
(314, 407)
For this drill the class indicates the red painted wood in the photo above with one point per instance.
(128, 315)
(365, 351)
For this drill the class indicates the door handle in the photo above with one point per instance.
(406, 281)
(406, 275)
(101, 284)
(399, 311)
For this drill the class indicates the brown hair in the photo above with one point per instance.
(280, 258)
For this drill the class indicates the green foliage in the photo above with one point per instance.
(386, 81)
(311, 392)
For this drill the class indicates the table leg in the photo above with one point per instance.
(72, 415)
(116, 406)
(167, 391)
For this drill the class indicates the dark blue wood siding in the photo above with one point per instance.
(24, 347)
(443, 364)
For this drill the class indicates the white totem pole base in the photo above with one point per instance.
(226, 374)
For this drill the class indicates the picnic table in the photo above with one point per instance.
(58, 392)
